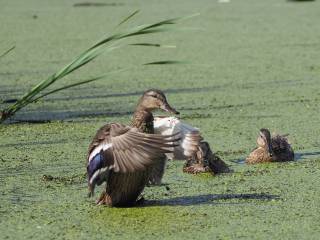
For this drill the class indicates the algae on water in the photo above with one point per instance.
(256, 64)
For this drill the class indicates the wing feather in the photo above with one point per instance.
(134, 150)
(130, 149)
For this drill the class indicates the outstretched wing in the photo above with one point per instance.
(134, 150)
(124, 149)
(190, 136)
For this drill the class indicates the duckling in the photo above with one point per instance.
(205, 161)
(192, 148)
(271, 149)
(124, 156)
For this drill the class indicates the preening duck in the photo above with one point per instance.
(271, 149)
(124, 156)
(205, 161)
(192, 148)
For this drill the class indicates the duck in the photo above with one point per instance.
(192, 148)
(205, 160)
(123, 156)
(274, 148)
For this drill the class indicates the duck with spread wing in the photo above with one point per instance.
(124, 156)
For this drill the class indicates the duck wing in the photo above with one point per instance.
(190, 136)
(121, 148)
(282, 149)
(280, 143)
(134, 150)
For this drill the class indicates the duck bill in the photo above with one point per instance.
(166, 107)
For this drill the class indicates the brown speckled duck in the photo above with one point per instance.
(205, 161)
(271, 149)
(124, 156)
(192, 148)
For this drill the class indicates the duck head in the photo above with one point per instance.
(155, 99)
(264, 140)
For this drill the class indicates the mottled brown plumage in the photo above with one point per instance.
(123, 156)
(271, 149)
(205, 161)
(192, 148)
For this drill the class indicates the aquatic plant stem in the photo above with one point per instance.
(105, 45)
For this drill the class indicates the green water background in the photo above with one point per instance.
(253, 64)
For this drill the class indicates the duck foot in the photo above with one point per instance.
(104, 199)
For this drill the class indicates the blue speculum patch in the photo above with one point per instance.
(95, 164)
(250, 69)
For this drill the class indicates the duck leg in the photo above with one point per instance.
(157, 171)
(104, 199)
(140, 201)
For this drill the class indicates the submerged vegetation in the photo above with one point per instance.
(257, 64)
